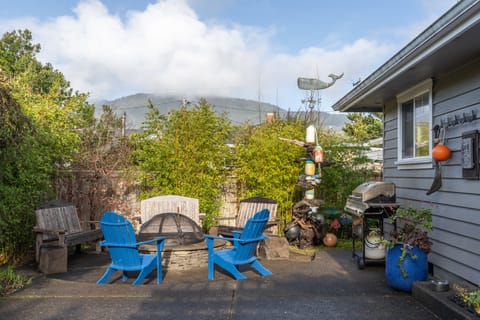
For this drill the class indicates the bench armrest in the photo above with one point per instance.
(50, 231)
(86, 222)
(242, 241)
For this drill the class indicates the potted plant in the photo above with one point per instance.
(407, 250)
(469, 300)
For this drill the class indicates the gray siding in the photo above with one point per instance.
(456, 206)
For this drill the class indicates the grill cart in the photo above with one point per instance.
(368, 205)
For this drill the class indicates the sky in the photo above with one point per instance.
(252, 49)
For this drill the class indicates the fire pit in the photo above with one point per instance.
(185, 247)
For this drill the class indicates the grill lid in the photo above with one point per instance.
(371, 195)
(374, 189)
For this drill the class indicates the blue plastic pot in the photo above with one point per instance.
(416, 269)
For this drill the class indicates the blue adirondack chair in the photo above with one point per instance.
(123, 248)
(243, 250)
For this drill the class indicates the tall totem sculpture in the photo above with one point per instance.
(307, 226)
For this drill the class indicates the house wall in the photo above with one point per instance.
(456, 206)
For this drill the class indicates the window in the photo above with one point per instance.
(414, 124)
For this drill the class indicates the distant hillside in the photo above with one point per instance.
(239, 111)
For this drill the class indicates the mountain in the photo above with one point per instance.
(238, 110)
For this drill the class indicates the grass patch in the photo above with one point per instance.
(341, 244)
(11, 281)
(305, 251)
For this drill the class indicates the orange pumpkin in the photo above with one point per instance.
(441, 152)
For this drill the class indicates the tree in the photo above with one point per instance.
(349, 168)
(266, 165)
(184, 153)
(42, 118)
(102, 159)
(363, 126)
(17, 51)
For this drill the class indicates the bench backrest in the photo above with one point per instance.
(170, 203)
(59, 218)
(248, 207)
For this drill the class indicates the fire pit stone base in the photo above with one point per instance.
(184, 257)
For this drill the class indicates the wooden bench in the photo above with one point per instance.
(59, 225)
(247, 209)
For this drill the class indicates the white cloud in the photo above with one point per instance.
(167, 49)
(354, 60)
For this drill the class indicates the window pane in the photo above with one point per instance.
(407, 129)
(422, 132)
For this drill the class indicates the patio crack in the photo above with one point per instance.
(231, 311)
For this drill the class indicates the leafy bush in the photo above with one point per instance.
(41, 118)
(184, 153)
(265, 165)
(349, 168)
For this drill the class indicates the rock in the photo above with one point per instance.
(273, 248)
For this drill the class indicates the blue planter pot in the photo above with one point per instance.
(415, 267)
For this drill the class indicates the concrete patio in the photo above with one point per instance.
(328, 287)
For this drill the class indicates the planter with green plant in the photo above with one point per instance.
(406, 258)
(467, 299)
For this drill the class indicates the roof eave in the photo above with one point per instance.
(419, 48)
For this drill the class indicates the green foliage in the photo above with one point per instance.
(416, 217)
(472, 299)
(23, 179)
(363, 126)
(349, 168)
(40, 124)
(265, 164)
(102, 156)
(267, 167)
(17, 51)
(184, 153)
(417, 222)
(413, 233)
(11, 281)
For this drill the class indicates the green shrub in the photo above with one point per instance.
(11, 281)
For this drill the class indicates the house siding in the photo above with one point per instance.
(456, 206)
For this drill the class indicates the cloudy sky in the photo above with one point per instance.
(253, 49)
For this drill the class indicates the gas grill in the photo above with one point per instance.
(368, 205)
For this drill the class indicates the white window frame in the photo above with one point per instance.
(423, 162)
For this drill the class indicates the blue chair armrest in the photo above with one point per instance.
(118, 245)
(210, 237)
(262, 237)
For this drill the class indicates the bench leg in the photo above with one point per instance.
(38, 245)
